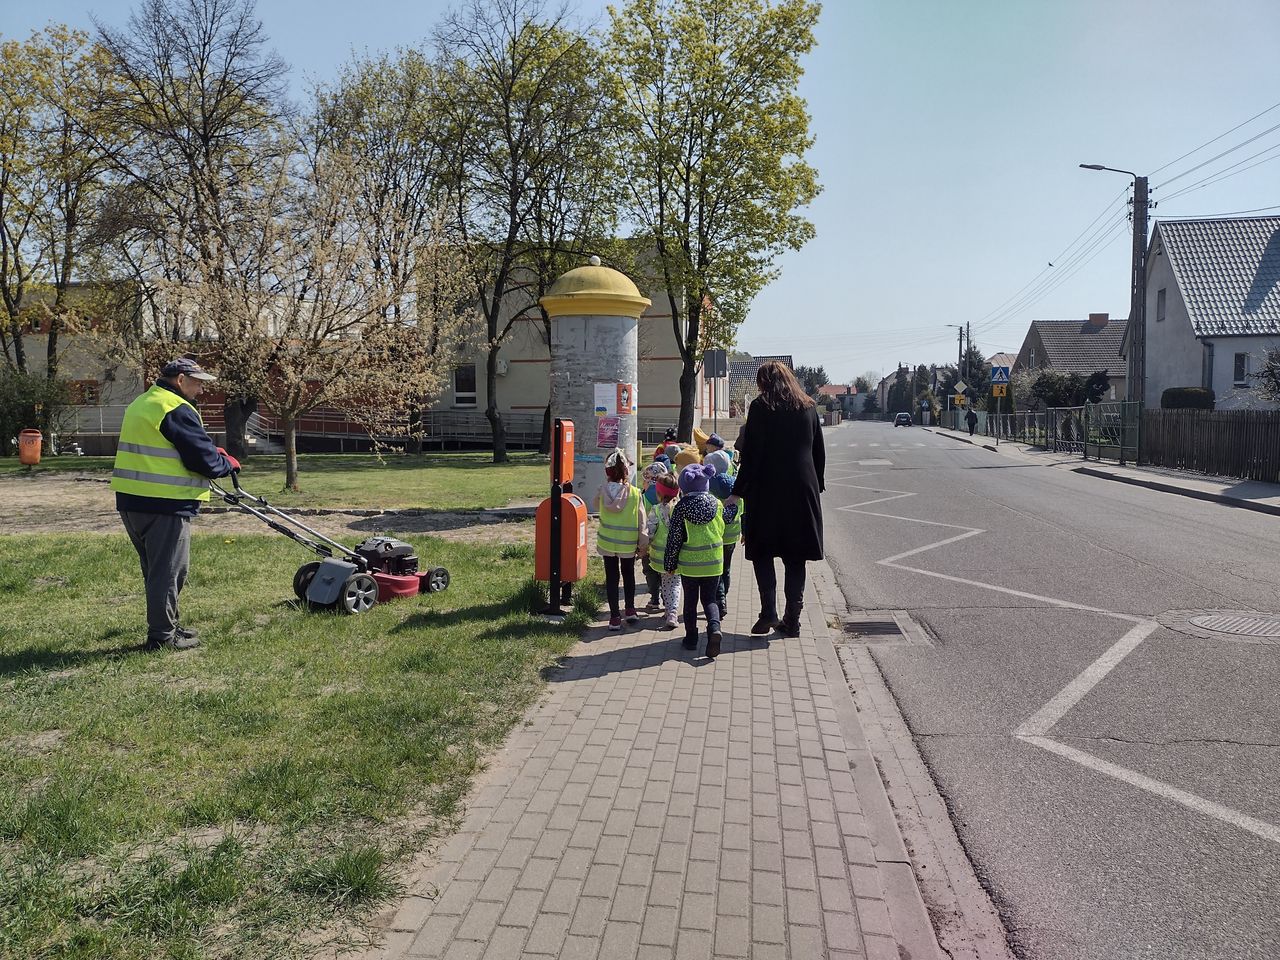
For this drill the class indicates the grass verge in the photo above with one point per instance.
(436, 481)
(233, 800)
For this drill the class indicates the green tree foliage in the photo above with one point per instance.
(715, 132)
(1187, 398)
(28, 400)
(812, 379)
(527, 135)
(862, 385)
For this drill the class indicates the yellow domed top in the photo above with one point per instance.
(594, 290)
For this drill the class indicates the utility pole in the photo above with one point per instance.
(1138, 305)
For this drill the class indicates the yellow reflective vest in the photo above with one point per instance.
(702, 553)
(619, 534)
(147, 464)
(733, 528)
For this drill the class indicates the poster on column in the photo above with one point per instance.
(607, 432)
(626, 399)
(606, 399)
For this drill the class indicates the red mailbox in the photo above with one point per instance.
(573, 539)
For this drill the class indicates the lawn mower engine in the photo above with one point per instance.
(394, 566)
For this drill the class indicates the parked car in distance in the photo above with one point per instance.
(902, 420)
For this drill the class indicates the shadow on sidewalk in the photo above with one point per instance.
(646, 655)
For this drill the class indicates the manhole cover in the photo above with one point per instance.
(883, 627)
(1247, 625)
(1241, 626)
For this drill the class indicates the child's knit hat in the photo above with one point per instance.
(715, 440)
(653, 471)
(695, 478)
(663, 459)
(722, 486)
(667, 486)
(719, 459)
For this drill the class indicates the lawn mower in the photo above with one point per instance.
(377, 570)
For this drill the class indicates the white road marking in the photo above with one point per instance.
(1195, 802)
(1032, 730)
(873, 444)
(1043, 720)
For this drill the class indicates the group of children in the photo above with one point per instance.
(683, 523)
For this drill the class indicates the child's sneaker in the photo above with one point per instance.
(714, 636)
(670, 623)
(653, 606)
(632, 616)
(615, 623)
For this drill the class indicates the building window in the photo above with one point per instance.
(1160, 304)
(1241, 377)
(464, 385)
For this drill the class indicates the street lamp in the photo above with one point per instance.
(1135, 387)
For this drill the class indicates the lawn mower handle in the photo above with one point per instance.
(237, 499)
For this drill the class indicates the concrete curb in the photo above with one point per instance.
(908, 915)
(951, 436)
(1179, 490)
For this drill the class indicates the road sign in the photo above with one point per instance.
(958, 400)
(999, 374)
(961, 386)
(998, 389)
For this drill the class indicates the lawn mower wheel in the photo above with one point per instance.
(302, 579)
(359, 594)
(437, 580)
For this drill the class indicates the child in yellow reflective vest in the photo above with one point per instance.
(722, 489)
(667, 490)
(695, 550)
(622, 525)
(653, 570)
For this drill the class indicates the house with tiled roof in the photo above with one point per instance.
(1213, 306)
(1074, 346)
(742, 377)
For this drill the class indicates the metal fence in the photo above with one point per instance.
(1113, 431)
(1244, 444)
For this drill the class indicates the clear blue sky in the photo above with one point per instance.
(948, 137)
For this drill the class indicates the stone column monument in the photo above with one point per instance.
(595, 315)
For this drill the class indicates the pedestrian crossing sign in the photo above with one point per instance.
(999, 374)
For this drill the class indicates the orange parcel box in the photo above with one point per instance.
(573, 539)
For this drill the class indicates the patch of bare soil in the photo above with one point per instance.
(32, 744)
(85, 504)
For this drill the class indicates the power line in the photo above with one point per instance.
(1223, 175)
(1215, 139)
(1219, 156)
(1215, 216)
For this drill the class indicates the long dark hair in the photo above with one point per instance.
(779, 388)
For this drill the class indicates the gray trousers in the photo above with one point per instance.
(163, 543)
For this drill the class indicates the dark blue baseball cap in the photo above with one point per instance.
(187, 367)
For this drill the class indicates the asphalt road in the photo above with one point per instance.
(1131, 812)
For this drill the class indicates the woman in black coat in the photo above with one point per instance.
(781, 479)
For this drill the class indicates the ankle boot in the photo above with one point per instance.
(766, 623)
(790, 626)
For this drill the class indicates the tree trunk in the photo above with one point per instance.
(236, 414)
(496, 424)
(544, 444)
(290, 454)
(413, 445)
(688, 400)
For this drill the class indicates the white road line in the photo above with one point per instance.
(1042, 721)
(873, 444)
(1195, 802)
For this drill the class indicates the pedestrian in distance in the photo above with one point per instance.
(971, 419)
(781, 474)
(622, 524)
(695, 550)
(668, 489)
(164, 462)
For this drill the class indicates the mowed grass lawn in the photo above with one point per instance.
(254, 797)
(433, 481)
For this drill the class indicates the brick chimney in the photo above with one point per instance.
(1098, 320)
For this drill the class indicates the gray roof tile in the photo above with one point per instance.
(1228, 272)
(1075, 346)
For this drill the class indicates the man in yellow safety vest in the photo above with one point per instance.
(164, 462)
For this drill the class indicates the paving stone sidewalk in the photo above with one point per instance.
(656, 804)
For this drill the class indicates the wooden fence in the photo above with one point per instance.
(1227, 443)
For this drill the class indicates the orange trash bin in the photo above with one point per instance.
(573, 539)
(29, 442)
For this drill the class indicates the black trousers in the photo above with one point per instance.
(163, 543)
(724, 577)
(624, 567)
(704, 590)
(793, 577)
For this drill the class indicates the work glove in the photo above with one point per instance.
(235, 464)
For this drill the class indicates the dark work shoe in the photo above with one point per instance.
(189, 634)
(714, 636)
(764, 625)
(176, 642)
(790, 626)
(689, 643)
